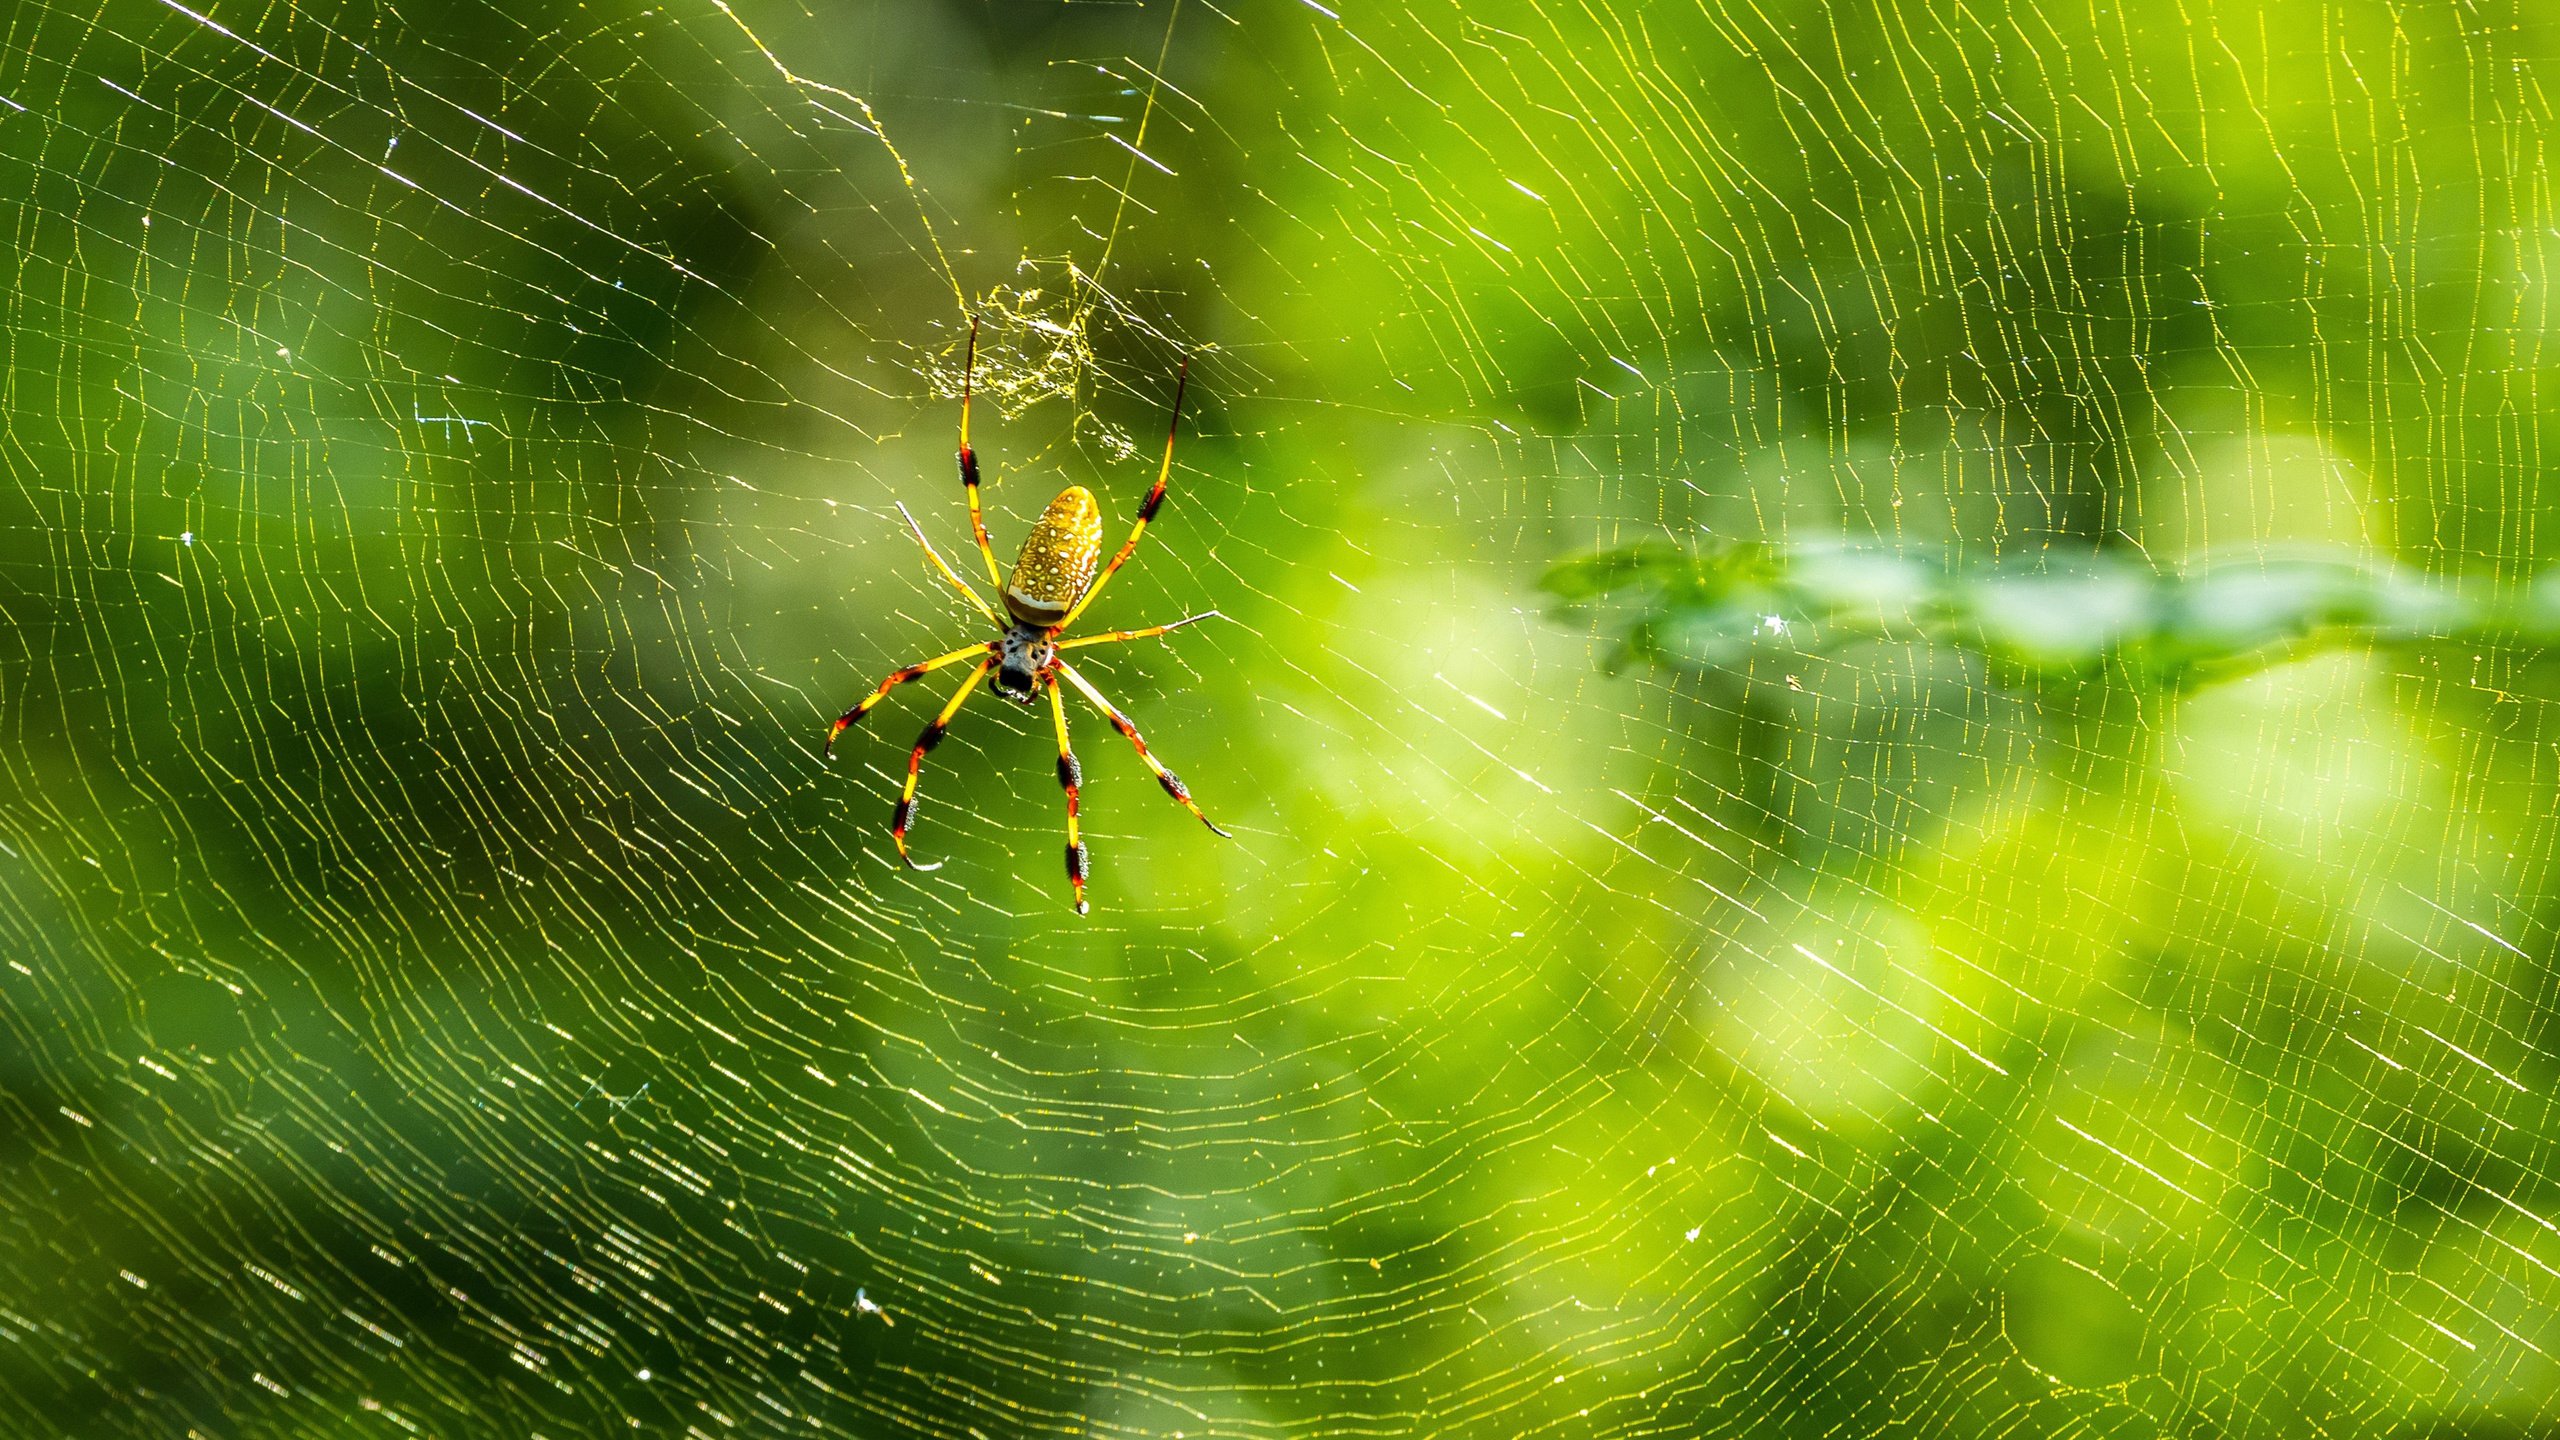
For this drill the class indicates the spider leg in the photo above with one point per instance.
(1113, 637)
(945, 567)
(897, 678)
(1171, 782)
(969, 460)
(905, 814)
(1146, 508)
(1070, 779)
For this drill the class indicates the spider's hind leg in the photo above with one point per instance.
(1146, 508)
(969, 460)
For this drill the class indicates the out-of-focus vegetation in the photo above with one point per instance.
(2086, 969)
(2062, 620)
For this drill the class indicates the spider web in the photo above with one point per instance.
(453, 455)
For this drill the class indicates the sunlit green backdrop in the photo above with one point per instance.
(1881, 690)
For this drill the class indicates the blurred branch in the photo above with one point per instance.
(2061, 620)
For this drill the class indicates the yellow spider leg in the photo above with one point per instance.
(945, 567)
(1146, 508)
(969, 460)
(1114, 637)
(1071, 780)
(1171, 782)
(896, 679)
(905, 814)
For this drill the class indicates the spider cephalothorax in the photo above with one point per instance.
(1053, 581)
(1022, 653)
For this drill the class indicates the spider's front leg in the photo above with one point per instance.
(1171, 782)
(1071, 780)
(905, 814)
(896, 679)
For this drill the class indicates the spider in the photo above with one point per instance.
(1052, 583)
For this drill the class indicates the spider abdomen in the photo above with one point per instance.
(1057, 561)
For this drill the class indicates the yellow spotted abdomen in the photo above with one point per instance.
(1057, 561)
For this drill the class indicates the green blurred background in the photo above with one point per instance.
(451, 461)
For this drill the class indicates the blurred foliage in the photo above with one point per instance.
(2058, 621)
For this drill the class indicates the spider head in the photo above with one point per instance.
(1019, 661)
(1022, 687)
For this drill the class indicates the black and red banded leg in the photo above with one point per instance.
(896, 678)
(969, 459)
(1147, 508)
(1071, 780)
(1171, 782)
(905, 814)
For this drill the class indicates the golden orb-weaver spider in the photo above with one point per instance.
(1052, 583)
